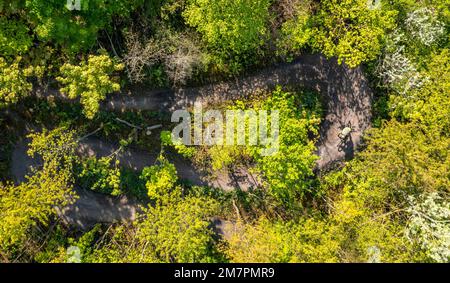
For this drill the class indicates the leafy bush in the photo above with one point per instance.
(14, 37)
(429, 226)
(288, 173)
(350, 30)
(232, 29)
(34, 201)
(166, 140)
(265, 241)
(14, 83)
(296, 30)
(429, 103)
(74, 30)
(424, 25)
(178, 231)
(91, 81)
(97, 175)
(160, 179)
(395, 69)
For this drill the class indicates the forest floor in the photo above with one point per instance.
(345, 94)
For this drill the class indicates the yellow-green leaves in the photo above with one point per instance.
(91, 81)
(231, 25)
(350, 30)
(231, 28)
(161, 180)
(35, 201)
(74, 30)
(57, 145)
(13, 81)
(178, 231)
(288, 172)
(166, 140)
(101, 175)
(432, 104)
(14, 37)
(296, 31)
(265, 241)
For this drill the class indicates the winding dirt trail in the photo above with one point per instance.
(90, 207)
(345, 94)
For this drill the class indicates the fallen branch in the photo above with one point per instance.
(90, 134)
(154, 127)
(128, 124)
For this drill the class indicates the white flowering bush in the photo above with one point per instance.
(429, 226)
(397, 72)
(395, 69)
(424, 25)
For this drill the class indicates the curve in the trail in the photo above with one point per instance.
(345, 94)
(90, 207)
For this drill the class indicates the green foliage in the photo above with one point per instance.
(424, 25)
(77, 29)
(350, 30)
(14, 82)
(55, 147)
(85, 243)
(232, 29)
(289, 171)
(179, 231)
(296, 32)
(61, 247)
(174, 231)
(365, 236)
(166, 140)
(388, 204)
(429, 226)
(400, 159)
(34, 202)
(161, 179)
(350, 233)
(223, 157)
(14, 37)
(306, 241)
(396, 70)
(53, 248)
(429, 105)
(132, 184)
(97, 175)
(91, 81)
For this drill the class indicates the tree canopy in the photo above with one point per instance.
(86, 97)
